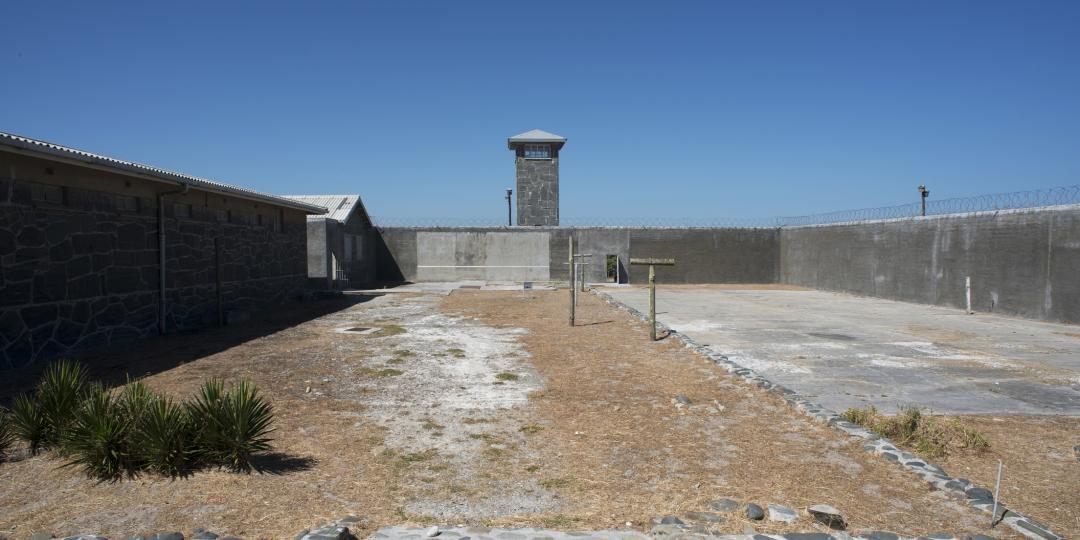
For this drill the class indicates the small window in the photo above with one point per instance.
(47, 193)
(537, 151)
(279, 223)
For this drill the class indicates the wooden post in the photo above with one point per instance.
(653, 263)
(652, 302)
(572, 293)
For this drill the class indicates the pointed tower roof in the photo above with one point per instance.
(535, 136)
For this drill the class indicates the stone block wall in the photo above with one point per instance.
(537, 190)
(79, 258)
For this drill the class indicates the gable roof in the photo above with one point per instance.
(339, 207)
(37, 148)
(535, 135)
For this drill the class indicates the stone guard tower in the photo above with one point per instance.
(537, 160)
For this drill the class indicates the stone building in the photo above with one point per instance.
(341, 244)
(96, 251)
(537, 162)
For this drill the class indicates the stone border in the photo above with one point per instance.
(977, 497)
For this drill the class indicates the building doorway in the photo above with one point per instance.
(611, 264)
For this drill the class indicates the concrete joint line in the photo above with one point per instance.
(977, 497)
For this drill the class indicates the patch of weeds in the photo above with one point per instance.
(438, 467)
(506, 376)
(389, 330)
(498, 383)
(495, 452)
(531, 429)
(486, 437)
(532, 468)
(930, 436)
(403, 353)
(559, 521)
(555, 483)
(395, 361)
(407, 460)
(457, 353)
(471, 421)
(387, 372)
(430, 424)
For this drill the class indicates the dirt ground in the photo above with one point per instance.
(1040, 468)
(476, 408)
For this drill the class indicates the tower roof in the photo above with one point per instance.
(535, 136)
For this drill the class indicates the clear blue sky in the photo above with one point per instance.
(672, 109)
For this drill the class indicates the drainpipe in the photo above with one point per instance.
(161, 253)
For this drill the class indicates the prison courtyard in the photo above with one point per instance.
(912, 374)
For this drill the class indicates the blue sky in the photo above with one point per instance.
(672, 109)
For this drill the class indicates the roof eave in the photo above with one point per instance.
(45, 151)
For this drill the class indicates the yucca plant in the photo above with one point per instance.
(7, 435)
(133, 405)
(28, 422)
(204, 413)
(96, 437)
(59, 394)
(165, 438)
(232, 426)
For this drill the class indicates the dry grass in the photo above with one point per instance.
(613, 448)
(1041, 471)
(926, 435)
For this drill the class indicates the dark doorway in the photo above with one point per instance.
(612, 265)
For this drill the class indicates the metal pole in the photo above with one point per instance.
(572, 295)
(652, 302)
(509, 209)
(997, 493)
(968, 294)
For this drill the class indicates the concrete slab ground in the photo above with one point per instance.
(845, 351)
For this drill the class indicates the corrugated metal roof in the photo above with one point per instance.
(35, 146)
(339, 207)
(537, 135)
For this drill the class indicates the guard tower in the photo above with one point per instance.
(537, 159)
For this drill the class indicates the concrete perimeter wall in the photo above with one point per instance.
(1021, 262)
(1024, 263)
(540, 254)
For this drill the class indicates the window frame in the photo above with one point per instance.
(535, 148)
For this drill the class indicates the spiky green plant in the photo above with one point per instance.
(232, 426)
(96, 437)
(28, 422)
(133, 405)
(62, 388)
(165, 438)
(7, 435)
(204, 413)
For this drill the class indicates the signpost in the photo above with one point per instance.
(653, 263)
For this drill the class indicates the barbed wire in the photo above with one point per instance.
(1038, 198)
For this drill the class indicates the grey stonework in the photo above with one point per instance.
(537, 189)
(84, 273)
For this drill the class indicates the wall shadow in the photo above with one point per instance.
(114, 365)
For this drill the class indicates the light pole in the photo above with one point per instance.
(509, 208)
(924, 193)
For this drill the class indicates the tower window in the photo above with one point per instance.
(537, 151)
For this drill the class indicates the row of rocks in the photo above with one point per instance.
(821, 513)
(977, 497)
(198, 534)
